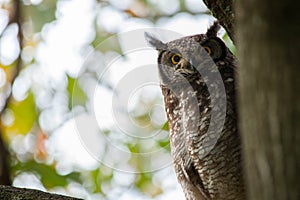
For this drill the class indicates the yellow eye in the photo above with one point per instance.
(208, 50)
(175, 59)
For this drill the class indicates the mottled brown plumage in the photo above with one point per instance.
(200, 102)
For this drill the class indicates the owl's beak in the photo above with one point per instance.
(184, 66)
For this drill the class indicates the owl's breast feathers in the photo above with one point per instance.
(205, 147)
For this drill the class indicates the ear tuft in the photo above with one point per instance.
(154, 42)
(213, 30)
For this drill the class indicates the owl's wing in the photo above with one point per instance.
(197, 183)
(191, 121)
(191, 182)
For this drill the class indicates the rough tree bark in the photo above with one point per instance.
(268, 50)
(13, 193)
(224, 12)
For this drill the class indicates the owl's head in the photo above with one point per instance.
(182, 58)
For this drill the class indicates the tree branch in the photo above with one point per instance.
(4, 153)
(4, 166)
(17, 18)
(13, 193)
(224, 12)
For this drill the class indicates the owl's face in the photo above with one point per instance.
(182, 59)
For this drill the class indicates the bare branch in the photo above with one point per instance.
(13, 193)
(4, 154)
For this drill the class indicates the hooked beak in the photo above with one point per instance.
(184, 67)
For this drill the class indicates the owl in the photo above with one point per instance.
(197, 75)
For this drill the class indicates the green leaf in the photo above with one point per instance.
(164, 144)
(102, 175)
(40, 14)
(49, 177)
(145, 183)
(76, 94)
(24, 113)
(165, 127)
(229, 43)
(105, 42)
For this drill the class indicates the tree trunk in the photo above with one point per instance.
(224, 12)
(269, 51)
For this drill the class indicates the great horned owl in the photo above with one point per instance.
(197, 75)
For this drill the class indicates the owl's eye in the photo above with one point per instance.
(208, 50)
(175, 59)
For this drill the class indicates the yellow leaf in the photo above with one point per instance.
(23, 115)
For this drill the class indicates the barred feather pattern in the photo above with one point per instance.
(217, 175)
(204, 136)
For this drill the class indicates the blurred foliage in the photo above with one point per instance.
(99, 177)
(32, 119)
(76, 94)
(229, 43)
(47, 173)
(19, 116)
(23, 113)
(107, 45)
(8, 70)
(40, 14)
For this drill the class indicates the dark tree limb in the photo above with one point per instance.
(17, 18)
(13, 193)
(4, 167)
(4, 153)
(224, 12)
